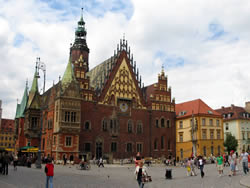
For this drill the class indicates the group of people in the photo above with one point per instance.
(233, 160)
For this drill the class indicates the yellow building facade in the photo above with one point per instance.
(7, 139)
(199, 130)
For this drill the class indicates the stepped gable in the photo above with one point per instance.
(195, 107)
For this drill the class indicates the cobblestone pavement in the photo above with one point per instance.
(118, 177)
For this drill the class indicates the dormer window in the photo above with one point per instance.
(210, 112)
(182, 113)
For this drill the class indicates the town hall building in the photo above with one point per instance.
(103, 112)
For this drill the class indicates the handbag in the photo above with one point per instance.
(146, 179)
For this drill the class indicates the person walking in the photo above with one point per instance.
(244, 158)
(192, 165)
(100, 163)
(6, 161)
(201, 166)
(49, 170)
(15, 160)
(140, 172)
(233, 161)
(188, 166)
(219, 164)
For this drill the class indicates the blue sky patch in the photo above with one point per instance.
(216, 30)
(18, 40)
(170, 61)
(95, 7)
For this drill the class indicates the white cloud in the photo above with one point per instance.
(214, 70)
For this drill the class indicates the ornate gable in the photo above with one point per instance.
(123, 85)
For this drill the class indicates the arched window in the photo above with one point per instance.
(87, 125)
(162, 122)
(130, 126)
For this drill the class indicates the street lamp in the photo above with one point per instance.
(40, 66)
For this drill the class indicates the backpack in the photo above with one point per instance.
(46, 170)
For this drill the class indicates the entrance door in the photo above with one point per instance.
(98, 150)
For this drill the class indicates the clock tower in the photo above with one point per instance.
(79, 51)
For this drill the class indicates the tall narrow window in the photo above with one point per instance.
(130, 126)
(181, 152)
(181, 137)
(34, 122)
(217, 123)
(162, 122)
(66, 116)
(219, 150)
(181, 124)
(168, 123)
(104, 125)
(169, 144)
(139, 147)
(218, 134)
(203, 121)
(204, 151)
(129, 147)
(211, 134)
(113, 147)
(157, 123)
(68, 141)
(139, 128)
(211, 122)
(162, 142)
(212, 150)
(73, 116)
(155, 144)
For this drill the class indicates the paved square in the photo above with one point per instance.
(117, 176)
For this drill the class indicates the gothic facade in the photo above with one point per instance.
(103, 112)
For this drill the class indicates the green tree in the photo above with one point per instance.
(231, 143)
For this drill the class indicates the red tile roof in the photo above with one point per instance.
(236, 112)
(195, 107)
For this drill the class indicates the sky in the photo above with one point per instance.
(204, 46)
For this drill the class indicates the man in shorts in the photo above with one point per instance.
(219, 164)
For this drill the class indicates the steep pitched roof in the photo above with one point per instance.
(195, 107)
(34, 87)
(33, 90)
(236, 112)
(17, 111)
(68, 75)
(21, 107)
(98, 73)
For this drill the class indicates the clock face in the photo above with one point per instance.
(123, 106)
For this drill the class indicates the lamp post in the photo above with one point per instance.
(40, 66)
